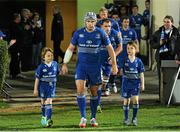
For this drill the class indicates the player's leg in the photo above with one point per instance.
(81, 100)
(135, 100)
(126, 103)
(93, 105)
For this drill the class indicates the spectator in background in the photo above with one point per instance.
(146, 16)
(37, 39)
(163, 40)
(15, 41)
(57, 33)
(27, 38)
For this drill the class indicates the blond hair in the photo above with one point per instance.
(44, 51)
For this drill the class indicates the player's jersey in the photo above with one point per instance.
(47, 75)
(127, 35)
(114, 24)
(136, 23)
(115, 40)
(89, 44)
(146, 16)
(132, 70)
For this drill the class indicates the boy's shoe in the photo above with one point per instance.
(82, 123)
(49, 123)
(99, 110)
(134, 122)
(126, 122)
(44, 121)
(114, 88)
(93, 122)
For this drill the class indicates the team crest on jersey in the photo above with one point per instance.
(130, 33)
(98, 36)
(89, 42)
(81, 35)
(44, 70)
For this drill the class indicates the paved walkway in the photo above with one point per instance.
(22, 94)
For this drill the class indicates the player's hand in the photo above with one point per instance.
(114, 69)
(13, 41)
(142, 89)
(35, 93)
(64, 69)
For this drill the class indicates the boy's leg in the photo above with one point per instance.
(135, 109)
(126, 110)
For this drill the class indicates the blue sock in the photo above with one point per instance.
(81, 100)
(93, 105)
(126, 111)
(135, 110)
(49, 111)
(43, 110)
(99, 96)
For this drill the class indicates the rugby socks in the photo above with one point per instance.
(81, 100)
(135, 110)
(93, 105)
(43, 110)
(48, 111)
(126, 111)
(99, 91)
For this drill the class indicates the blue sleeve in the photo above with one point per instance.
(105, 38)
(38, 72)
(116, 26)
(74, 39)
(141, 66)
(134, 35)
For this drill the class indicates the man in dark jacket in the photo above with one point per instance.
(57, 33)
(164, 41)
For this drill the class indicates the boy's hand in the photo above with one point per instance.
(35, 93)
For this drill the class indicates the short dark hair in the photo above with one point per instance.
(124, 18)
(169, 17)
(106, 20)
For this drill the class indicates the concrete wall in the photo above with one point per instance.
(84, 6)
(161, 8)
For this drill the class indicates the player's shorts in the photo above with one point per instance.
(130, 87)
(92, 73)
(47, 89)
(106, 69)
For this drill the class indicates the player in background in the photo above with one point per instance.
(88, 40)
(45, 84)
(132, 82)
(116, 42)
(128, 34)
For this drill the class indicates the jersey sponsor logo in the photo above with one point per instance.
(81, 35)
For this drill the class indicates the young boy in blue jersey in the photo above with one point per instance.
(88, 40)
(45, 84)
(132, 82)
(116, 41)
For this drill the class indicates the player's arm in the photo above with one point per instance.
(118, 50)
(113, 58)
(142, 80)
(36, 87)
(67, 58)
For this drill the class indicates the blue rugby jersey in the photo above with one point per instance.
(115, 40)
(127, 35)
(89, 44)
(114, 24)
(136, 23)
(146, 16)
(132, 70)
(47, 74)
